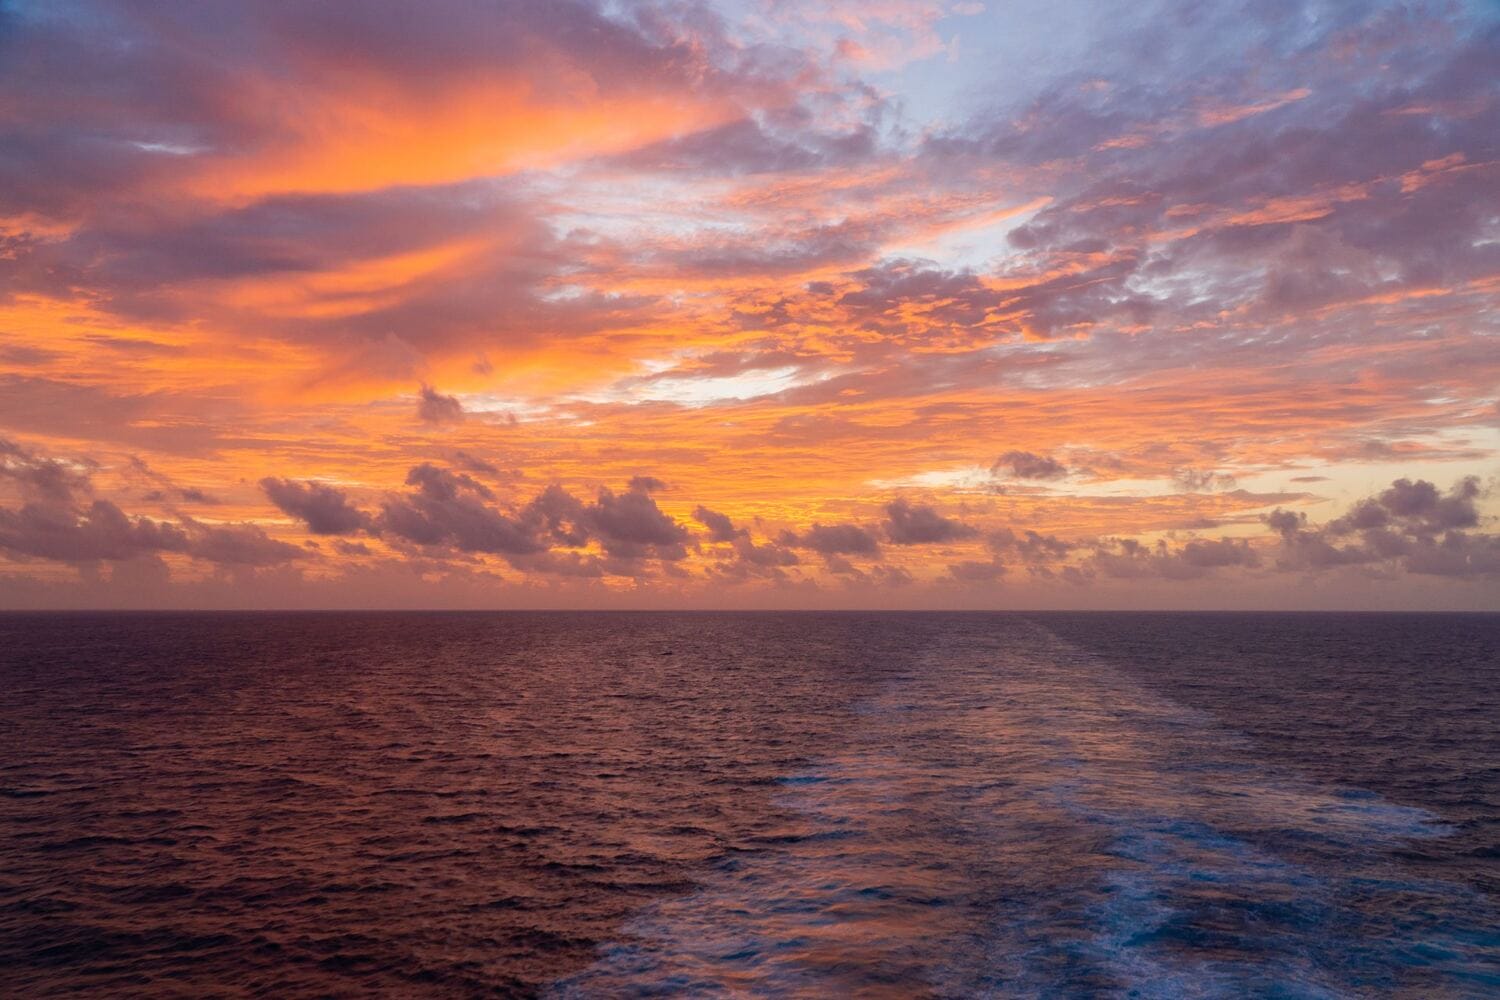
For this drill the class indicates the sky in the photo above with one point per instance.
(750, 304)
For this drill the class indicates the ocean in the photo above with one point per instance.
(750, 804)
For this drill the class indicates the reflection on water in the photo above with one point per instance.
(870, 805)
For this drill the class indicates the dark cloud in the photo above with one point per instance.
(474, 463)
(768, 554)
(451, 509)
(834, 539)
(323, 508)
(1304, 548)
(100, 531)
(1130, 559)
(1201, 553)
(561, 516)
(1031, 546)
(1028, 465)
(630, 525)
(908, 524)
(1456, 554)
(445, 483)
(240, 545)
(645, 484)
(755, 561)
(435, 408)
(46, 478)
(975, 571)
(1412, 526)
(720, 527)
(454, 510)
(1050, 557)
(581, 565)
(1416, 508)
(1201, 480)
(60, 523)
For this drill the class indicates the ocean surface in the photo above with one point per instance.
(845, 805)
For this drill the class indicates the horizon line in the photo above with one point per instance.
(753, 611)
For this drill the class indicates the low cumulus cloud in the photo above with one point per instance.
(976, 571)
(1029, 546)
(720, 527)
(447, 509)
(95, 532)
(630, 525)
(753, 560)
(834, 540)
(1412, 526)
(748, 559)
(323, 508)
(919, 524)
(240, 545)
(61, 520)
(451, 509)
(1128, 558)
(35, 475)
(444, 517)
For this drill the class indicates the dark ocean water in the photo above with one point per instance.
(580, 805)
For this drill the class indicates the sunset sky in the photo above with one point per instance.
(885, 303)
